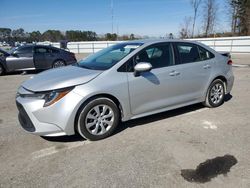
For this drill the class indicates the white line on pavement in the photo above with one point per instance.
(55, 149)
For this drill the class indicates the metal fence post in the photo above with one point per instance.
(78, 50)
(93, 47)
(231, 46)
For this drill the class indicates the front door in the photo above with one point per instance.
(21, 59)
(155, 89)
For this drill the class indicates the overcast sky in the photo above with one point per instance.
(143, 17)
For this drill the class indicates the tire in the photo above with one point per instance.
(215, 94)
(58, 63)
(98, 119)
(2, 70)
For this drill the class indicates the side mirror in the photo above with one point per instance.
(14, 55)
(142, 67)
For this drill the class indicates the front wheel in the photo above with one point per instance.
(98, 119)
(58, 63)
(216, 94)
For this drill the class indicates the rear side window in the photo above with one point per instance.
(205, 54)
(188, 52)
(41, 50)
(52, 50)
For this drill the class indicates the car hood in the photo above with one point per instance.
(60, 78)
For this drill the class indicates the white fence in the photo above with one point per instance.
(225, 44)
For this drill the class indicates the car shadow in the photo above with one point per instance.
(137, 122)
(158, 117)
(72, 138)
(228, 97)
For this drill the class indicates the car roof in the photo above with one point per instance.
(152, 41)
(38, 45)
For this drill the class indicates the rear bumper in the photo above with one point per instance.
(230, 82)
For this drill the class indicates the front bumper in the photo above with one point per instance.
(57, 119)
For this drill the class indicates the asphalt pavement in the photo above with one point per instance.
(149, 152)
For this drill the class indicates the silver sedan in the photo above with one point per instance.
(125, 81)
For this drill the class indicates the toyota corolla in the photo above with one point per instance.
(122, 82)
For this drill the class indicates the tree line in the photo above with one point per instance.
(8, 35)
(207, 12)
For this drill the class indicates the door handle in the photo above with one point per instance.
(206, 66)
(177, 73)
(174, 73)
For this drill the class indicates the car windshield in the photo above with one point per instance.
(12, 50)
(108, 57)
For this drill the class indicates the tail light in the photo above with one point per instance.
(230, 62)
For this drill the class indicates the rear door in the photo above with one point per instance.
(43, 57)
(194, 71)
(22, 58)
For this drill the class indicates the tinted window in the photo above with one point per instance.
(188, 52)
(41, 50)
(24, 50)
(205, 54)
(159, 55)
(52, 50)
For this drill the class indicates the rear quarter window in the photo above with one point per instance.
(205, 54)
(53, 50)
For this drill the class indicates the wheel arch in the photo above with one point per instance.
(102, 95)
(220, 77)
(58, 59)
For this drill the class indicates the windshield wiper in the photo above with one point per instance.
(83, 66)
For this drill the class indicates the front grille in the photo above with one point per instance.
(24, 119)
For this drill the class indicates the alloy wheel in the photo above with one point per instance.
(58, 64)
(216, 93)
(99, 119)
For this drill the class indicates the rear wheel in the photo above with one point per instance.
(98, 119)
(58, 63)
(216, 94)
(2, 71)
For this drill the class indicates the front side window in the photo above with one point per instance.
(108, 57)
(188, 52)
(158, 56)
(24, 50)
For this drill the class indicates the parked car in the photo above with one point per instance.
(125, 81)
(30, 57)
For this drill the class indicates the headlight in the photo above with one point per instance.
(50, 97)
(54, 96)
